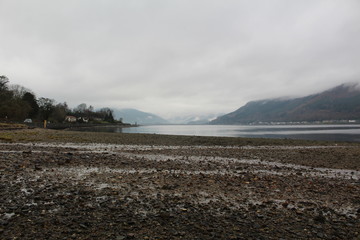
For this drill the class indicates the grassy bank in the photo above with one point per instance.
(12, 126)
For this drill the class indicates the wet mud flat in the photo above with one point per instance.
(118, 191)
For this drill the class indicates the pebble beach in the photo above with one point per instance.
(78, 185)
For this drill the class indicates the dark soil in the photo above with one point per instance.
(163, 188)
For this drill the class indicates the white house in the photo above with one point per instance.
(70, 119)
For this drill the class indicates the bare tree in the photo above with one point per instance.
(18, 90)
(3, 83)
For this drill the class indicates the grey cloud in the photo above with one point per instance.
(178, 57)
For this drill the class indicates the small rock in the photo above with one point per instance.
(257, 225)
(130, 236)
(3, 222)
(83, 225)
(285, 204)
(320, 218)
(37, 168)
(320, 235)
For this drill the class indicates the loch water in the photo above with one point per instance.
(350, 133)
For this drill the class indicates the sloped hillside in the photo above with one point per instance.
(339, 103)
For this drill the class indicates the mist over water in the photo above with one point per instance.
(307, 132)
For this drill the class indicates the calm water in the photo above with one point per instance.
(310, 132)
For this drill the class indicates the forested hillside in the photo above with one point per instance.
(339, 103)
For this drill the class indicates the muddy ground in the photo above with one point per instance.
(57, 185)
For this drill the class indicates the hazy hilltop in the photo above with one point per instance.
(134, 116)
(339, 103)
(194, 119)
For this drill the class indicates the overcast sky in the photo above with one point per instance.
(178, 57)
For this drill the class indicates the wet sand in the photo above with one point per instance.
(67, 185)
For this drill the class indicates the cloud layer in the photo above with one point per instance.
(178, 57)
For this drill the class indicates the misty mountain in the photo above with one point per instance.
(135, 116)
(339, 103)
(191, 119)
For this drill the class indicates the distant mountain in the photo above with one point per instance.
(191, 119)
(134, 116)
(339, 103)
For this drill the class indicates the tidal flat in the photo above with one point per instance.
(80, 185)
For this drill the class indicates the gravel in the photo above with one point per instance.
(118, 190)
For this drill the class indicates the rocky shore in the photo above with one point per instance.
(75, 185)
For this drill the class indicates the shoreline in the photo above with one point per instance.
(79, 185)
(52, 135)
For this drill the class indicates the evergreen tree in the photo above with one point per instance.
(30, 99)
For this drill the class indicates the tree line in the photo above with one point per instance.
(18, 103)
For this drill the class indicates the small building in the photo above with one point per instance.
(83, 120)
(70, 119)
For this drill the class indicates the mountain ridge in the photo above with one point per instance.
(338, 103)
